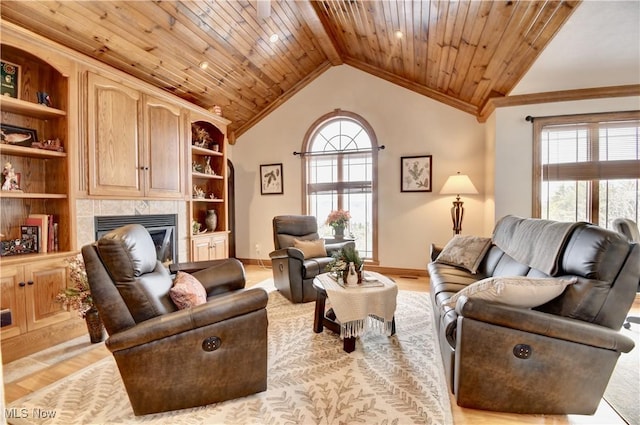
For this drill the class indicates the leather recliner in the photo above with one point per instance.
(293, 274)
(168, 358)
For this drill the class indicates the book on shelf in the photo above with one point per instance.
(47, 231)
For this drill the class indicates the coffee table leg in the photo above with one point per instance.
(393, 326)
(319, 312)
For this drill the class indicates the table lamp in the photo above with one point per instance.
(460, 184)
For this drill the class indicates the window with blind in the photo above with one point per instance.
(340, 156)
(587, 167)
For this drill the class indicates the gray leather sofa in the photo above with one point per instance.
(556, 358)
(168, 358)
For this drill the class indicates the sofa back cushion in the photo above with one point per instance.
(602, 260)
(129, 256)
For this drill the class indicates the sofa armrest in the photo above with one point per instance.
(332, 246)
(434, 251)
(544, 324)
(214, 311)
(287, 253)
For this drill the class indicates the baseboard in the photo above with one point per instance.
(396, 271)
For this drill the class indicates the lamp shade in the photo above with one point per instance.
(460, 184)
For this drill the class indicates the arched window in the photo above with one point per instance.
(339, 172)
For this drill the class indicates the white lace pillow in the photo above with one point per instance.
(466, 252)
(517, 291)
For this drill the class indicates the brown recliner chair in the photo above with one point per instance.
(293, 274)
(629, 229)
(168, 358)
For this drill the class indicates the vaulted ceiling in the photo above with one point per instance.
(462, 53)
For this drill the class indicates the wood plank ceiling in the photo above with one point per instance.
(462, 53)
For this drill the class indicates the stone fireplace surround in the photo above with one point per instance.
(88, 209)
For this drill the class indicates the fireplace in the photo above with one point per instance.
(161, 227)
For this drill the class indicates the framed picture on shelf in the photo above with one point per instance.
(19, 136)
(30, 236)
(271, 179)
(10, 84)
(415, 173)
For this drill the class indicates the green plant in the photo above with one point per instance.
(342, 258)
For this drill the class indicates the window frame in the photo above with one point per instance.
(317, 126)
(593, 185)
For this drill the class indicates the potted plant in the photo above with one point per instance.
(338, 219)
(77, 297)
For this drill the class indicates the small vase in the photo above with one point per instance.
(212, 220)
(94, 325)
(338, 232)
(352, 277)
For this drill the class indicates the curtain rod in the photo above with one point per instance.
(337, 153)
(530, 118)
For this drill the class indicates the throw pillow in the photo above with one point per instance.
(187, 291)
(311, 249)
(466, 252)
(517, 291)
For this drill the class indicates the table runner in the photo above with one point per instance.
(360, 309)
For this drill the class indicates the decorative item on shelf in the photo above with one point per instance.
(211, 220)
(459, 184)
(78, 297)
(50, 145)
(198, 193)
(195, 227)
(207, 166)
(338, 219)
(216, 110)
(10, 82)
(11, 178)
(339, 265)
(213, 196)
(44, 98)
(195, 167)
(215, 147)
(200, 137)
(19, 136)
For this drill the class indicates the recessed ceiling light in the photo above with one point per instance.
(399, 34)
(203, 65)
(273, 38)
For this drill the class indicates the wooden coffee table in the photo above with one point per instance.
(327, 319)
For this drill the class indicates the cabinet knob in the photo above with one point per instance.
(22, 284)
(30, 282)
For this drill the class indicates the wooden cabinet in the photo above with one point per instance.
(30, 282)
(212, 246)
(29, 292)
(209, 186)
(136, 142)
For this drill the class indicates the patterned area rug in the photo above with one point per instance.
(311, 380)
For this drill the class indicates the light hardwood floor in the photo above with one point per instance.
(46, 373)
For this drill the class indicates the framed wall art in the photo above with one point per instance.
(10, 83)
(20, 136)
(415, 173)
(271, 179)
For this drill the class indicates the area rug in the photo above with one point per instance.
(311, 380)
(623, 390)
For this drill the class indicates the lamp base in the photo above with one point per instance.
(457, 212)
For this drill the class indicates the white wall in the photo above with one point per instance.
(514, 147)
(406, 123)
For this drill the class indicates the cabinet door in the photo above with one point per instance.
(164, 149)
(200, 249)
(12, 297)
(219, 247)
(45, 280)
(113, 142)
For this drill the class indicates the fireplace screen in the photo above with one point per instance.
(161, 227)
